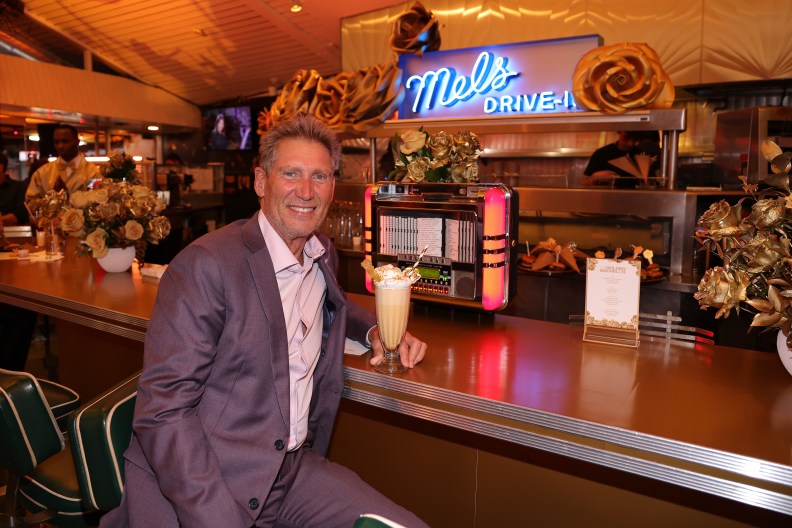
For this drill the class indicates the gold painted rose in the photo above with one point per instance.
(416, 31)
(350, 102)
(627, 76)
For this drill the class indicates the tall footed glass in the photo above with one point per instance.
(393, 309)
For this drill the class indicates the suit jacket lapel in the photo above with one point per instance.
(267, 288)
(334, 293)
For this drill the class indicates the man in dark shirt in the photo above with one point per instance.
(600, 171)
(16, 324)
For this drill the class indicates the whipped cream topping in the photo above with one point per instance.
(390, 275)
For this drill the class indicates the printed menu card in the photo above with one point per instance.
(613, 290)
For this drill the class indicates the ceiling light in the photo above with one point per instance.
(296, 6)
(153, 128)
(34, 137)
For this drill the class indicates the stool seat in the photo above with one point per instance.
(62, 400)
(54, 483)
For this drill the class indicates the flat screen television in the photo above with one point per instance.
(227, 128)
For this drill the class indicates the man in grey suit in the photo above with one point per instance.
(242, 375)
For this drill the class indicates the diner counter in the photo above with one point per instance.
(713, 419)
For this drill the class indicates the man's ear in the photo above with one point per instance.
(259, 182)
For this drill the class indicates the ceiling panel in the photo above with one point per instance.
(206, 51)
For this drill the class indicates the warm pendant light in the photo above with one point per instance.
(296, 6)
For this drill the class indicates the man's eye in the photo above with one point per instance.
(321, 177)
(290, 174)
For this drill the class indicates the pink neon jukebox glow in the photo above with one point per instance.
(494, 245)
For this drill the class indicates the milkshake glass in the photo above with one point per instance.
(392, 300)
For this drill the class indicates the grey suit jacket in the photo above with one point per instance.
(212, 412)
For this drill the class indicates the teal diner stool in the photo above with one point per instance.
(34, 454)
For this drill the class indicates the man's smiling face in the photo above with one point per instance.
(297, 192)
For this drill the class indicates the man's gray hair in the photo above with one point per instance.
(301, 126)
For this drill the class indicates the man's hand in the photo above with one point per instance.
(411, 350)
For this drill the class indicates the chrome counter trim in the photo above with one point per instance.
(658, 119)
(738, 464)
(736, 491)
(94, 317)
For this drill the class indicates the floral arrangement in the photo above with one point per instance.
(756, 249)
(120, 167)
(115, 215)
(615, 79)
(420, 156)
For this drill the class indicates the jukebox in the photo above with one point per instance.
(469, 232)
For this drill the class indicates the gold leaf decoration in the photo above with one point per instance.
(622, 77)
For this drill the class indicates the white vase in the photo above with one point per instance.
(784, 352)
(117, 259)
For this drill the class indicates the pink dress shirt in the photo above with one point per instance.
(302, 290)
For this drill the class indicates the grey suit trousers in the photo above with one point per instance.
(310, 491)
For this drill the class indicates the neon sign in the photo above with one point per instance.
(522, 104)
(512, 79)
(489, 73)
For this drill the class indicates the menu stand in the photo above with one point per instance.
(613, 289)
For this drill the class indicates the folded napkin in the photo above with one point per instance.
(153, 270)
(354, 348)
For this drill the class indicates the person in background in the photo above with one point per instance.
(12, 197)
(242, 372)
(218, 139)
(600, 172)
(16, 324)
(71, 171)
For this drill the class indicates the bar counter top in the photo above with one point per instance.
(709, 418)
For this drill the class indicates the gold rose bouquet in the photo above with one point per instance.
(756, 248)
(420, 156)
(115, 215)
(48, 208)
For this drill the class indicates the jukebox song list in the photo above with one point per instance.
(445, 237)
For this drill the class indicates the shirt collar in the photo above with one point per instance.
(74, 163)
(281, 255)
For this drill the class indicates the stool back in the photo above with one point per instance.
(99, 433)
(28, 431)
